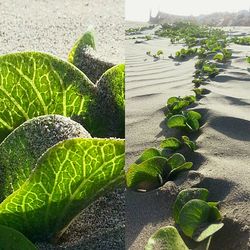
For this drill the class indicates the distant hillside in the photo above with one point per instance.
(241, 18)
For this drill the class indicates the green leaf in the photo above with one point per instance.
(214, 213)
(178, 106)
(34, 84)
(148, 154)
(172, 100)
(204, 245)
(176, 121)
(186, 195)
(204, 232)
(176, 160)
(85, 57)
(219, 57)
(22, 148)
(171, 143)
(190, 99)
(166, 238)
(193, 124)
(183, 167)
(199, 91)
(213, 203)
(148, 175)
(193, 115)
(111, 104)
(189, 143)
(159, 52)
(85, 41)
(67, 178)
(12, 239)
(193, 214)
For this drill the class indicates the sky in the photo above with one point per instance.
(138, 10)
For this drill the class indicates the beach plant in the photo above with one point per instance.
(45, 184)
(175, 144)
(199, 64)
(50, 167)
(248, 59)
(214, 44)
(197, 218)
(199, 91)
(34, 84)
(167, 238)
(223, 56)
(159, 53)
(148, 37)
(85, 41)
(12, 239)
(138, 30)
(242, 40)
(210, 69)
(152, 170)
(65, 179)
(86, 57)
(176, 104)
(198, 81)
(188, 120)
(185, 53)
(202, 53)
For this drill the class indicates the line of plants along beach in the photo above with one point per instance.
(194, 214)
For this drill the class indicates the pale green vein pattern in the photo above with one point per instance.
(21, 149)
(67, 178)
(34, 84)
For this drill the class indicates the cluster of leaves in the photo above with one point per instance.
(50, 167)
(157, 55)
(185, 53)
(152, 169)
(148, 37)
(241, 40)
(206, 42)
(189, 33)
(188, 120)
(176, 104)
(139, 30)
(178, 117)
(197, 218)
(248, 59)
(223, 56)
(199, 91)
(204, 68)
(173, 143)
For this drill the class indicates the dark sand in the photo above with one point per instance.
(53, 27)
(222, 162)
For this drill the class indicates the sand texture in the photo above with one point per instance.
(53, 27)
(222, 161)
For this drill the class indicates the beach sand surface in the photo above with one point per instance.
(222, 161)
